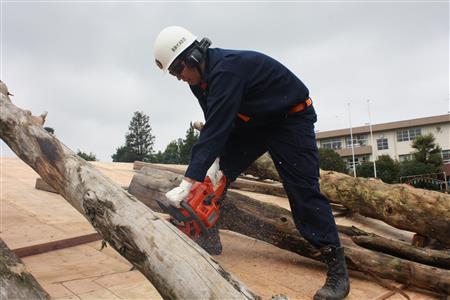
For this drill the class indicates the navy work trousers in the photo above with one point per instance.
(291, 142)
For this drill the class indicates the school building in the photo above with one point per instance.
(393, 139)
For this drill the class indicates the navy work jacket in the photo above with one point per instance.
(245, 82)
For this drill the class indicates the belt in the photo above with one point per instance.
(295, 109)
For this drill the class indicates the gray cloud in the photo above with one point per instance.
(90, 65)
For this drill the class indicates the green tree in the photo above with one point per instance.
(426, 151)
(187, 143)
(85, 156)
(387, 169)
(172, 153)
(427, 159)
(414, 167)
(124, 154)
(178, 151)
(158, 157)
(138, 140)
(331, 161)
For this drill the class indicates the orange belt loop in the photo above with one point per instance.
(301, 106)
(243, 117)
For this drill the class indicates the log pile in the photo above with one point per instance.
(274, 225)
(399, 205)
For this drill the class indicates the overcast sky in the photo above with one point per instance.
(91, 65)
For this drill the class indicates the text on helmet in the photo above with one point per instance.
(178, 44)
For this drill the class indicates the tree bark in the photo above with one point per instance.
(399, 205)
(270, 188)
(274, 225)
(239, 213)
(176, 266)
(436, 258)
(15, 281)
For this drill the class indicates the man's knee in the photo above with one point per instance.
(230, 173)
(233, 166)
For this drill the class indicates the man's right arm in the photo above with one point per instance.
(225, 93)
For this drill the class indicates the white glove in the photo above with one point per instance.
(178, 194)
(214, 172)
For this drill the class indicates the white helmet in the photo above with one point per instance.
(170, 43)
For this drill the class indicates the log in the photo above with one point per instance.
(437, 258)
(15, 281)
(139, 188)
(274, 225)
(273, 188)
(240, 213)
(176, 266)
(399, 205)
(44, 186)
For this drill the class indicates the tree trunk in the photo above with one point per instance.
(274, 225)
(399, 205)
(437, 258)
(176, 266)
(15, 281)
(270, 188)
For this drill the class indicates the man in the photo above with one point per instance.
(253, 104)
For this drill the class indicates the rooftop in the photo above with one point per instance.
(31, 218)
(385, 126)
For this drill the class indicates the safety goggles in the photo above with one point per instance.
(176, 68)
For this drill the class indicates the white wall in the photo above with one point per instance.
(441, 132)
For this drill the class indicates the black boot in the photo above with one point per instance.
(337, 285)
(211, 243)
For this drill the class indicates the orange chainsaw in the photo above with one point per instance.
(200, 210)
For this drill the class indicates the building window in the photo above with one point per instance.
(382, 144)
(334, 144)
(408, 134)
(404, 157)
(402, 135)
(446, 156)
(358, 140)
(413, 133)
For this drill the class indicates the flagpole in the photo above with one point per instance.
(351, 140)
(371, 141)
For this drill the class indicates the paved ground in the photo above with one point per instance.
(32, 217)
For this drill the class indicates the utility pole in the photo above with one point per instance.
(371, 141)
(351, 140)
